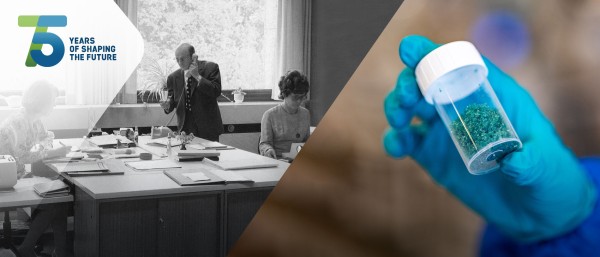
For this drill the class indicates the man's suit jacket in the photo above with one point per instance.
(205, 110)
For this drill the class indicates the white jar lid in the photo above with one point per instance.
(443, 60)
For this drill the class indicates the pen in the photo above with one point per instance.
(61, 143)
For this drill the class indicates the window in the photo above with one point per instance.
(239, 35)
(253, 41)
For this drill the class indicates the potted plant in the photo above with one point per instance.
(184, 139)
(155, 75)
(238, 95)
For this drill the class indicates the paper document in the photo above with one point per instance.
(92, 149)
(230, 176)
(154, 164)
(189, 177)
(243, 164)
(196, 176)
(81, 167)
(163, 141)
(108, 140)
(211, 146)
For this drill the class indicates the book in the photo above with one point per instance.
(53, 188)
(188, 158)
(196, 153)
(186, 177)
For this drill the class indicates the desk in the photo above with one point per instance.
(24, 196)
(145, 213)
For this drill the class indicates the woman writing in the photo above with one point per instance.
(24, 136)
(287, 122)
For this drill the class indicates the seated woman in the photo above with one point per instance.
(287, 122)
(24, 136)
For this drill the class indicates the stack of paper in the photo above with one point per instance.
(53, 188)
(194, 155)
(211, 146)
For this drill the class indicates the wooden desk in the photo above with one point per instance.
(145, 213)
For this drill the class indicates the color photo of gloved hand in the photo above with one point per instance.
(540, 192)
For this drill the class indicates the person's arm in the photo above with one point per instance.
(540, 192)
(307, 126)
(266, 137)
(24, 155)
(170, 104)
(582, 241)
(211, 84)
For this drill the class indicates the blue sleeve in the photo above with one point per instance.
(583, 241)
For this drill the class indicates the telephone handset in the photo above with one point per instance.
(193, 63)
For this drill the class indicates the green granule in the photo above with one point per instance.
(485, 125)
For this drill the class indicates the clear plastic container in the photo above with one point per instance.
(453, 78)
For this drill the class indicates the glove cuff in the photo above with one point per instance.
(582, 241)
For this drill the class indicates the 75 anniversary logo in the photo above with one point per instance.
(41, 36)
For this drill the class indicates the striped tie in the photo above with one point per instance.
(188, 103)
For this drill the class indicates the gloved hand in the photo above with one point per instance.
(540, 192)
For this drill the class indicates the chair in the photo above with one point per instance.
(258, 145)
(7, 231)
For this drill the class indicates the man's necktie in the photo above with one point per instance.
(188, 101)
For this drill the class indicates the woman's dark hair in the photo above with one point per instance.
(293, 82)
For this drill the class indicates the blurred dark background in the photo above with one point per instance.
(344, 197)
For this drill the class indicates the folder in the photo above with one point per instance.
(55, 188)
(80, 169)
(181, 177)
(84, 167)
(243, 164)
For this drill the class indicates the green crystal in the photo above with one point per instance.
(484, 125)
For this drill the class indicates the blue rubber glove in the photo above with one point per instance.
(540, 192)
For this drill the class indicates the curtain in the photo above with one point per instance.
(128, 93)
(97, 83)
(292, 45)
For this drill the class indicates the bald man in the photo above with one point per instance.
(193, 91)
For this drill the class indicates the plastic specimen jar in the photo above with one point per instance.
(453, 78)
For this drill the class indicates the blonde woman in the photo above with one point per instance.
(24, 136)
